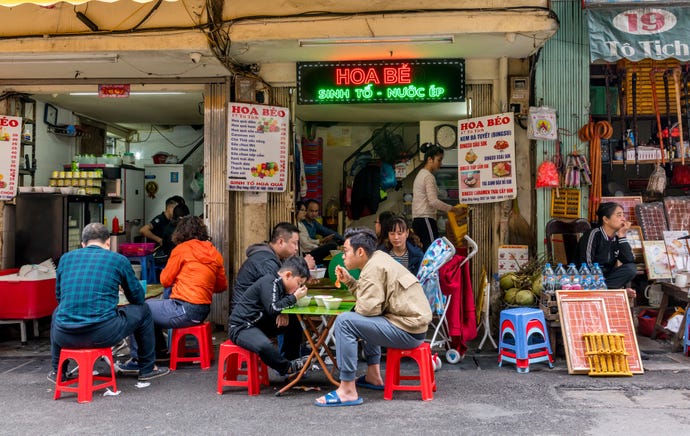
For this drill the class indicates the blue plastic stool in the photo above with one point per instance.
(524, 338)
(148, 267)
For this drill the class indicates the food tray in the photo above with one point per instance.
(677, 212)
(652, 219)
(137, 248)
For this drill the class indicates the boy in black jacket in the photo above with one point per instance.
(256, 316)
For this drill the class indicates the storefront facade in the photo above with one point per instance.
(219, 44)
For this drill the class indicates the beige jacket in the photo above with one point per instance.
(387, 288)
(425, 200)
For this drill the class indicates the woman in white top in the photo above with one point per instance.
(425, 202)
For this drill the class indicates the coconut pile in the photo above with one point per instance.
(523, 287)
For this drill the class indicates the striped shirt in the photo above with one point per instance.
(87, 285)
(404, 259)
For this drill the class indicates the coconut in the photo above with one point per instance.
(509, 296)
(537, 286)
(524, 298)
(507, 281)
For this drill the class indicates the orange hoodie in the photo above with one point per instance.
(195, 271)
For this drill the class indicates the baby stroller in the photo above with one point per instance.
(439, 253)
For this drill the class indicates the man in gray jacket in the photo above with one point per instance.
(391, 311)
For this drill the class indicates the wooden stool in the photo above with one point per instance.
(86, 359)
(230, 360)
(426, 377)
(178, 352)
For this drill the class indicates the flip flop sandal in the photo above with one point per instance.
(363, 383)
(333, 400)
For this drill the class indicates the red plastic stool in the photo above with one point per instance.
(179, 351)
(86, 359)
(230, 360)
(426, 377)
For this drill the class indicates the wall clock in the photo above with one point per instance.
(50, 115)
(446, 135)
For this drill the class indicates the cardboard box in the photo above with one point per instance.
(512, 258)
(26, 299)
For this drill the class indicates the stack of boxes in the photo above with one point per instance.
(312, 156)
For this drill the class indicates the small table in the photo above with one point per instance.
(310, 329)
(152, 291)
(680, 294)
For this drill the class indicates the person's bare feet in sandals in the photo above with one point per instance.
(345, 395)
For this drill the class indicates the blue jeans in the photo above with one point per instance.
(172, 314)
(133, 319)
(375, 331)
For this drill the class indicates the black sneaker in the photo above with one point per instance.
(157, 372)
(52, 376)
(296, 365)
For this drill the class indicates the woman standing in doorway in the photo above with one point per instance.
(425, 202)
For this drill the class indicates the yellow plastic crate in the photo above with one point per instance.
(606, 354)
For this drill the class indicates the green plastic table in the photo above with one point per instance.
(311, 331)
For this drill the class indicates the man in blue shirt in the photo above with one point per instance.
(315, 228)
(88, 316)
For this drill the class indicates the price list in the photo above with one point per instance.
(10, 140)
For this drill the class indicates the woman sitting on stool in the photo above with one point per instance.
(607, 245)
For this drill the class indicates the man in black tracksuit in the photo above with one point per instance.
(256, 316)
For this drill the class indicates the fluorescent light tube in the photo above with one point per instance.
(413, 39)
(28, 59)
(92, 93)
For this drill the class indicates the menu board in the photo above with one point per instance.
(486, 159)
(10, 140)
(257, 147)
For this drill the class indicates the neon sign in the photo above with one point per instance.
(394, 81)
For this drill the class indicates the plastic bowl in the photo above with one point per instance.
(332, 303)
(304, 301)
(317, 273)
(66, 190)
(319, 299)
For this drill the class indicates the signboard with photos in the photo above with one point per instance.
(486, 159)
(10, 141)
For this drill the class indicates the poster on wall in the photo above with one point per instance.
(257, 147)
(10, 139)
(486, 159)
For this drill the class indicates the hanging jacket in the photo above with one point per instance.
(365, 192)
(462, 320)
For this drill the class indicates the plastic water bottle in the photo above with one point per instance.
(598, 277)
(575, 281)
(586, 279)
(548, 280)
(560, 273)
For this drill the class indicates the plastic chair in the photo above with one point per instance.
(523, 338)
(86, 359)
(230, 360)
(179, 351)
(571, 231)
(426, 377)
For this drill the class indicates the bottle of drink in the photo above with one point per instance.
(597, 275)
(116, 225)
(574, 276)
(586, 277)
(601, 283)
(548, 280)
(560, 274)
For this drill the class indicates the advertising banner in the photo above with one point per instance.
(257, 147)
(486, 159)
(10, 140)
(635, 34)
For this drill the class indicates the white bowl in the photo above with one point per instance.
(332, 303)
(24, 189)
(319, 299)
(48, 189)
(304, 301)
(317, 273)
(66, 190)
